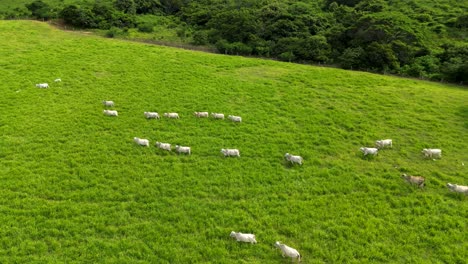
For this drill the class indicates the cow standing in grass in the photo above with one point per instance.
(293, 158)
(383, 143)
(249, 238)
(458, 188)
(432, 153)
(417, 180)
(288, 251)
(369, 151)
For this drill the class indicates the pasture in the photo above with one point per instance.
(76, 188)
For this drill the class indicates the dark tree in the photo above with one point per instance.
(235, 25)
(79, 17)
(147, 6)
(39, 10)
(126, 6)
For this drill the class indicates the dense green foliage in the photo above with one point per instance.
(75, 187)
(413, 38)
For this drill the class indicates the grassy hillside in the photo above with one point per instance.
(75, 187)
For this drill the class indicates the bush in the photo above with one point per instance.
(455, 70)
(351, 58)
(122, 20)
(222, 46)
(200, 38)
(462, 21)
(235, 48)
(114, 32)
(146, 27)
(79, 17)
(183, 32)
(240, 48)
(18, 12)
(262, 47)
(40, 10)
(287, 56)
(423, 67)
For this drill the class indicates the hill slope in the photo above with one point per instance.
(75, 187)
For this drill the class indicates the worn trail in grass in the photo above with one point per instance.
(75, 187)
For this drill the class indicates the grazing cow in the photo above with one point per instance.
(108, 103)
(230, 152)
(171, 115)
(200, 114)
(293, 159)
(235, 118)
(181, 149)
(150, 115)
(288, 251)
(141, 141)
(217, 115)
(111, 113)
(42, 85)
(370, 151)
(458, 188)
(249, 238)
(418, 180)
(432, 153)
(383, 143)
(165, 146)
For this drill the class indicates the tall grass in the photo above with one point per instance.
(75, 187)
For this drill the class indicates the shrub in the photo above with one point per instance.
(236, 48)
(200, 38)
(222, 46)
(79, 17)
(40, 10)
(122, 20)
(114, 32)
(146, 27)
(287, 56)
(240, 48)
(351, 58)
(182, 32)
(423, 67)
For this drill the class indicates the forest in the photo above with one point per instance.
(422, 39)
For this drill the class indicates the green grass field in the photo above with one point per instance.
(76, 188)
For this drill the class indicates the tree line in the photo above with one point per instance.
(408, 37)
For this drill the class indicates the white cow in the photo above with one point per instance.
(165, 146)
(201, 114)
(230, 152)
(370, 151)
(288, 251)
(432, 153)
(418, 180)
(141, 141)
(235, 118)
(111, 113)
(249, 238)
(150, 115)
(458, 188)
(42, 85)
(171, 115)
(383, 143)
(293, 159)
(181, 149)
(108, 103)
(58, 80)
(217, 115)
